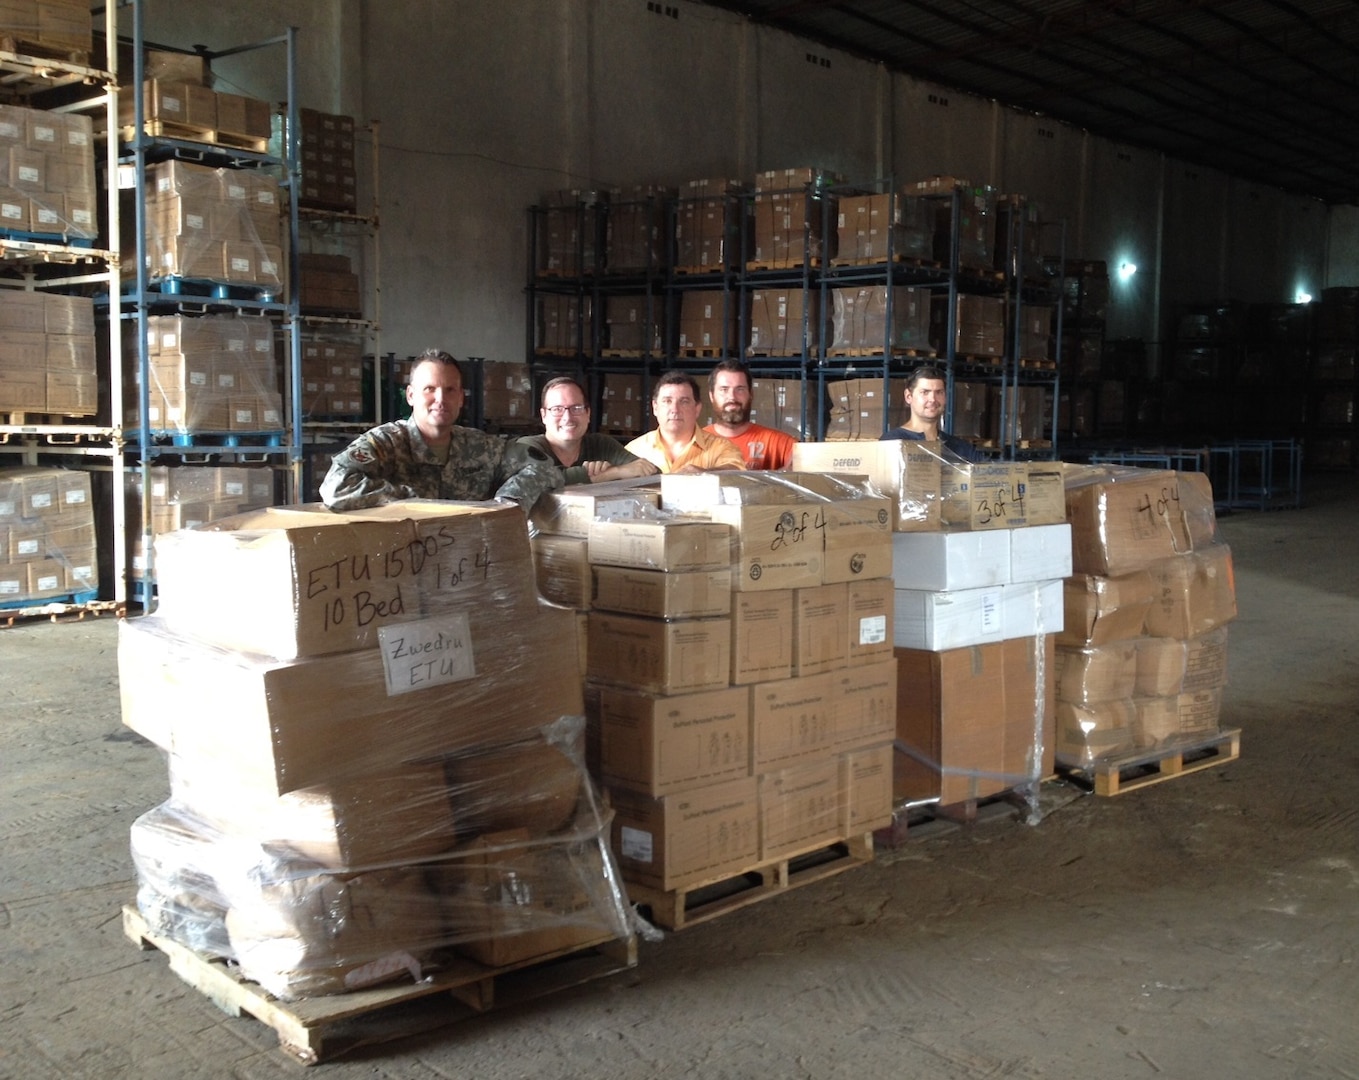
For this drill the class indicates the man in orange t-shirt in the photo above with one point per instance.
(729, 393)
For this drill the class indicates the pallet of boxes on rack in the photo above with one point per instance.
(979, 555)
(56, 29)
(47, 539)
(373, 728)
(47, 190)
(177, 104)
(48, 364)
(332, 375)
(1142, 656)
(740, 686)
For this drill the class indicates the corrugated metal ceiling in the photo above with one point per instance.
(1267, 90)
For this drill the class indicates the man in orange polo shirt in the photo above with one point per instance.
(679, 445)
(729, 392)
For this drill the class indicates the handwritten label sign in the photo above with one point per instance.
(431, 652)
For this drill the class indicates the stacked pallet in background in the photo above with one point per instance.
(862, 409)
(741, 684)
(329, 178)
(566, 239)
(778, 404)
(790, 208)
(208, 374)
(47, 542)
(623, 404)
(708, 225)
(1142, 659)
(332, 375)
(979, 554)
(328, 285)
(785, 322)
(372, 726)
(177, 103)
(190, 496)
(47, 354)
(47, 186)
(887, 225)
(211, 225)
(61, 28)
(634, 236)
(507, 393)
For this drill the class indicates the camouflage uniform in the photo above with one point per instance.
(392, 462)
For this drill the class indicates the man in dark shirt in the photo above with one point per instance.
(927, 397)
(582, 455)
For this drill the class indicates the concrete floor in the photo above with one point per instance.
(1205, 927)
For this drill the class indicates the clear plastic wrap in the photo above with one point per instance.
(47, 353)
(211, 373)
(332, 375)
(859, 318)
(47, 537)
(500, 855)
(49, 185)
(784, 322)
(216, 225)
(907, 472)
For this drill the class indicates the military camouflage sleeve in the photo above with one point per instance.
(362, 475)
(526, 474)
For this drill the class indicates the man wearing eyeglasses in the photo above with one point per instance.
(679, 445)
(427, 456)
(582, 455)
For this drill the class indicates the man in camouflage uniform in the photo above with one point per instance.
(428, 457)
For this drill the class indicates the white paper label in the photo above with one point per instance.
(431, 652)
(235, 487)
(10, 587)
(28, 547)
(990, 612)
(49, 583)
(636, 844)
(42, 501)
(29, 175)
(240, 266)
(75, 497)
(9, 508)
(195, 221)
(873, 630)
(198, 378)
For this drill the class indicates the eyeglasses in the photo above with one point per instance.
(560, 410)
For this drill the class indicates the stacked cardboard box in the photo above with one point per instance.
(47, 353)
(328, 285)
(567, 226)
(332, 375)
(784, 322)
(182, 100)
(634, 237)
(47, 543)
(47, 173)
(778, 404)
(507, 392)
(559, 322)
(708, 225)
(1027, 413)
(741, 683)
(873, 228)
(61, 26)
(979, 325)
(211, 373)
(1018, 246)
(862, 321)
(709, 319)
(791, 208)
(978, 560)
(326, 154)
(623, 403)
(971, 403)
(373, 728)
(634, 324)
(190, 496)
(1142, 659)
(865, 408)
(219, 225)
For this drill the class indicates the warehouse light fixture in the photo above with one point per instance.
(1302, 297)
(1126, 270)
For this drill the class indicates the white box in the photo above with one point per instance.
(942, 561)
(1040, 552)
(935, 621)
(1032, 607)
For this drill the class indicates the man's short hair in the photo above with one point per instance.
(561, 380)
(925, 371)
(729, 365)
(443, 359)
(676, 378)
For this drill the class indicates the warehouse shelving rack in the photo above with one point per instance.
(68, 85)
(137, 303)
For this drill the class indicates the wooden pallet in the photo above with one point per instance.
(983, 359)
(43, 419)
(906, 354)
(43, 50)
(1020, 444)
(706, 900)
(168, 129)
(716, 269)
(317, 1029)
(783, 264)
(896, 260)
(1037, 364)
(1130, 772)
(621, 354)
(702, 352)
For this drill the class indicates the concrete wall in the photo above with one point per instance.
(483, 107)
